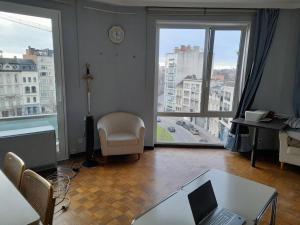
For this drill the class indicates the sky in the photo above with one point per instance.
(226, 44)
(17, 32)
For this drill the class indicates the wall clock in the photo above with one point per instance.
(116, 34)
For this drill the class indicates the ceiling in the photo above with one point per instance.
(289, 4)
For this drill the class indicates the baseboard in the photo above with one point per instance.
(196, 146)
(98, 151)
(148, 148)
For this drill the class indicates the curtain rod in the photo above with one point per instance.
(108, 11)
(196, 11)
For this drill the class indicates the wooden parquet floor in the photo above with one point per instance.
(117, 192)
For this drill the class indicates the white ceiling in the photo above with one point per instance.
(208, 3)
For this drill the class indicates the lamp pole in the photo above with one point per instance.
(89, 124)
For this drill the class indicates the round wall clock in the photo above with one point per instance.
(116, 34)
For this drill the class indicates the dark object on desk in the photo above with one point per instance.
(275, 124)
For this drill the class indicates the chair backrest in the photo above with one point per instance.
(120, 121)
(39, 193)
(13, 168)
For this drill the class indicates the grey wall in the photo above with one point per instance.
(120, 70)
(276, 88)
(124, 77)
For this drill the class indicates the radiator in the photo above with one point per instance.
(36, 146)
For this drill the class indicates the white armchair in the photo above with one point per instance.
(289, 150)
(121, 134)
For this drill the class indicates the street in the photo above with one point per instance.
(182, 135)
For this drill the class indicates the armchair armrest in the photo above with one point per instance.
(102, 132)
(140, 128)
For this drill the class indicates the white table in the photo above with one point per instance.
(14, 209)
(244, 197)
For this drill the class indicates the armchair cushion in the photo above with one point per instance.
(121, 138)
(293, 151)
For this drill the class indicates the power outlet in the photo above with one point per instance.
(259, 140)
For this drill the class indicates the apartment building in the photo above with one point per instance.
(184, 61)
(46, 74)
(188, 94)
(19, 90)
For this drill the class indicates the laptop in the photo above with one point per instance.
(206, 211)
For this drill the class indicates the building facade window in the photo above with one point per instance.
(33, 89)
(27, 90)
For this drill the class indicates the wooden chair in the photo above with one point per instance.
(13, 168)
(39, 193)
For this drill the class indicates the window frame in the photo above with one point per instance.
(211, 27)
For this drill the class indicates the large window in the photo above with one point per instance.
(29, 46)
(199, 81)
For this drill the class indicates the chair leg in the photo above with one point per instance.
(282, 165)
(139, 156)
(104, 159)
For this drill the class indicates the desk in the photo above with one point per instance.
(275, 124)
(14, 209)
(244, 197)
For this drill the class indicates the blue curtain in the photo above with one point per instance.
(296, 95)
(266, 21)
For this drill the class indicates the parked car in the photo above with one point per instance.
(194, 131)
(179, 122)
(171, 129)
(202, 140)
(158, 119)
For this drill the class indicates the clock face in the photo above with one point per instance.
(116, 34)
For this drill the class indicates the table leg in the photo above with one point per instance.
(273, 213)
(254, 146)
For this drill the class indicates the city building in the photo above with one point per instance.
(188, 94)
(182, 62)
(19, 89)
(46, 74)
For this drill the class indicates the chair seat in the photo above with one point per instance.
(122, 138)
(293, 151)
(294, 134)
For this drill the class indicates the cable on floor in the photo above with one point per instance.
(61, 181)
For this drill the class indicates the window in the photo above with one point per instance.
(8, 79)
(16, 78)
(24, 79)
(33, 89)
(27, 90)
(43, 74)
(29, 79)
(5, 113)
(34, 79)
(204, 65)
(34, 99)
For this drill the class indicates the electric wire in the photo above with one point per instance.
(61, 182)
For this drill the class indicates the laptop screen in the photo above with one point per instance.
(202, 201)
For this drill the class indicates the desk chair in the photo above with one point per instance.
(39, 193)
(13, 168)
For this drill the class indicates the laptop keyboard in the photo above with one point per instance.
(222, 218)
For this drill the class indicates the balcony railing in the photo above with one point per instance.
(30, 121)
